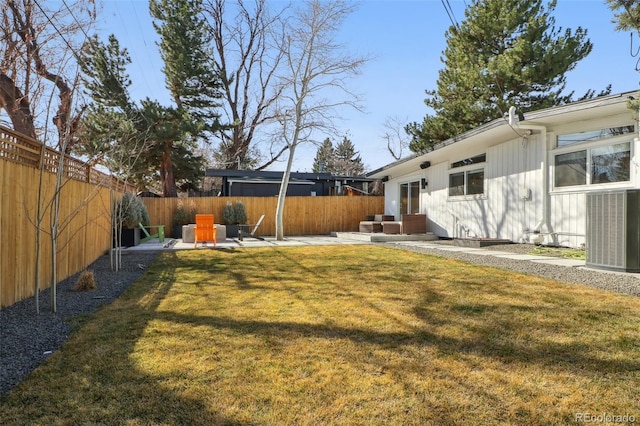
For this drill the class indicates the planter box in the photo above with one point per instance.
(129, 237)
(232, 231)
(176, 231)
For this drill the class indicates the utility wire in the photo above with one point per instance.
(78, 56)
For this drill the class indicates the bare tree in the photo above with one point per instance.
(396, 136)
(37, 88)
(34, 40)
(314, 87)
(246, 37)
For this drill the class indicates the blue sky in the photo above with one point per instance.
(405, 40)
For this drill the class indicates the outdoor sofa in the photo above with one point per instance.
(373, 223)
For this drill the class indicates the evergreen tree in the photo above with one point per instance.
(323, 162)
(505, 53)
(627, 14)
(347, 162)
(131, 139)
(190, 71)
(192, 80)
(109, 126)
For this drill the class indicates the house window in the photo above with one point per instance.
(469, 180)
(482, 158)
(410, 197)
(604, 157)
(475, 182)
(571, 168)
(456, 184)
(593, 135)
(611, 163)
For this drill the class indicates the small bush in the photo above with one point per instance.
(86, 281)
(233, 215)
(184, 215)
(229, 214)
(241, 214)
(131, 211)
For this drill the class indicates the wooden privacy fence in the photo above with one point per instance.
(302, 215)
(85, 216)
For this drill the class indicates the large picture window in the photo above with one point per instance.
(604, 157)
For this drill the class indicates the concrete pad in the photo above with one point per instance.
(561, 262)
(522, 257)
(482, 252)
(378, 237)
(460, 249)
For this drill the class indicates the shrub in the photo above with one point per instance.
(229, 214)
(241, 214)
(233, 215)
(131, 211)
(184, 215)
(86, 281)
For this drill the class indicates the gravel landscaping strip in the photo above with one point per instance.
(27, 338)
(605, 280)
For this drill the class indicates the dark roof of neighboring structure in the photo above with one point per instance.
(260, 175)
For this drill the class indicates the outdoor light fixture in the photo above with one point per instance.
(385, 179)
(425, 164)
(424, 183)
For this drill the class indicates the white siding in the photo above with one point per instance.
(434, 201)
(391, 197)
(511, 170)
(516, 201)
(568, 219)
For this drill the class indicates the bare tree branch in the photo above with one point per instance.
(395, 135)
(35, 41)
(316, 70)
(246, 37)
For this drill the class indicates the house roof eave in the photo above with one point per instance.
(583, 110)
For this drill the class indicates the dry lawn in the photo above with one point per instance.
(340, 335)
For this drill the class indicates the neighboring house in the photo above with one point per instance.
(524, 179)
(248, 183)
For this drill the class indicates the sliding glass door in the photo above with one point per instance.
(410, 197)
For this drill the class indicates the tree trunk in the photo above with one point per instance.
(168, 179)
(17, 106)
(282, 195)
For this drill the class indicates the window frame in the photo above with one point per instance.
(410, 184)
(589, 148)
(473, 167)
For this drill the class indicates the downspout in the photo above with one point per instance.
(514, 123)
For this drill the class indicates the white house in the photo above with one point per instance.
(525, 178)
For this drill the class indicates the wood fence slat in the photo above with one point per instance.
(84, 212)
(302, 215)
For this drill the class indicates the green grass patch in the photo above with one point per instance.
(339, 335)
(567, 253)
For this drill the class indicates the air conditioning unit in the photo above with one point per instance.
(613, 230)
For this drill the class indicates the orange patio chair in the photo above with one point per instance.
(205, 230)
